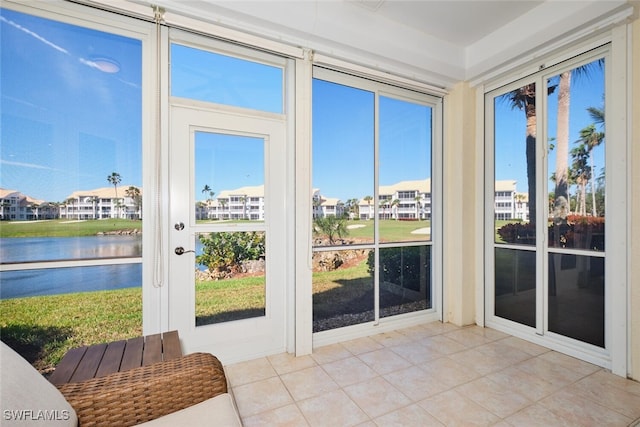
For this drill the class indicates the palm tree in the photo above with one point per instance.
(582, 172)
(223, 203)
(368, 199)
(394, 207)
(418, 206)
(562, 139)
(115, 179)
(134, 193)
(524, 99)
(591, 138)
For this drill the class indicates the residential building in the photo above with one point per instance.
(101, 203)
(15, 206)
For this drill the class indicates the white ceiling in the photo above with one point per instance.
(440, 42)
(457, 21)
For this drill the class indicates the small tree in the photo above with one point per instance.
(115, 179)
(331, 227)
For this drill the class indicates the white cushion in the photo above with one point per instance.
(219, 411)
(27, 398)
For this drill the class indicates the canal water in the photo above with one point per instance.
(17, 284)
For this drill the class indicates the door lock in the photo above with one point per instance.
(180, 250)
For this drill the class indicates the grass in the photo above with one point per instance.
(390, 230)
(43, 328)
(230, 299)
(65, 228)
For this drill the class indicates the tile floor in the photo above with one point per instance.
(432, 375)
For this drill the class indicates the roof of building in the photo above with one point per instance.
(249, 191)
(505, 185)
(103, 193)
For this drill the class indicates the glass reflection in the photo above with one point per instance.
(405, 279)
(576, 160)
(212, 77)
(230, 277)
(576, 297)
(343, 164)
(515, 124)
(405, 171)
(229, 174)
(343, 291)
(515, 285)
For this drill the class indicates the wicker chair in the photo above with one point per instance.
(192, 386)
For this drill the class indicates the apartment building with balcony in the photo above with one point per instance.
(102, 203)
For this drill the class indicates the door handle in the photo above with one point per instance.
(180, 250)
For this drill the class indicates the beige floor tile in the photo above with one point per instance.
(284, 363)
(576, 365)
(490, 334)
(247, 372)
(410, 416)
(537, 416)
(469, 337)
(450, 373)
(389, 339)
(494, 397)
(331, 410)
(482, 363)
(261, 396)
(349, 371)
(436, 328)
(330, 353)
(362, 345)
(609, 379)
(415, 383)
(619, 400)
(497, 349)
(577, 410)
(384, 361)
(444, 344)
(416, 352)
(308, 383)
(286, 416)
(556, 374)
(526, 346)
(531, 386)
(454, 409)
(376, 396)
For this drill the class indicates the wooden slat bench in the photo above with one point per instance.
(95, 361)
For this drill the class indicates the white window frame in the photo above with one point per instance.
(617, 88)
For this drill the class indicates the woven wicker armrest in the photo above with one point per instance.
(143, 394)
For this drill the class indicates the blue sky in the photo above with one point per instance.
(66, 125)
(510, 157)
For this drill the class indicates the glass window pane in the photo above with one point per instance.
(343, 142)
(229, 176)
(577, 158)
(213, 77)
(405, 280)
(576, 297)
(515, 285)
(230, 276)
(404, 195)
(515, 123)
(71, 149)
(343, 292)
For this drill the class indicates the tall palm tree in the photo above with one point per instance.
(136, 196)
(591, 138)
(562, 138)
(582, 172)
(524, 99)
(368, 199)
(115, 179)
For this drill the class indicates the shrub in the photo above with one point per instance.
(226, 251)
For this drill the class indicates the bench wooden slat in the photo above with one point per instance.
(89, 363)
(171, 345)
(152, 349)
(111, 359)
(67, 366)
(132, 357)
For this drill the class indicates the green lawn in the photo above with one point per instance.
(65, 228)
(390, 230)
